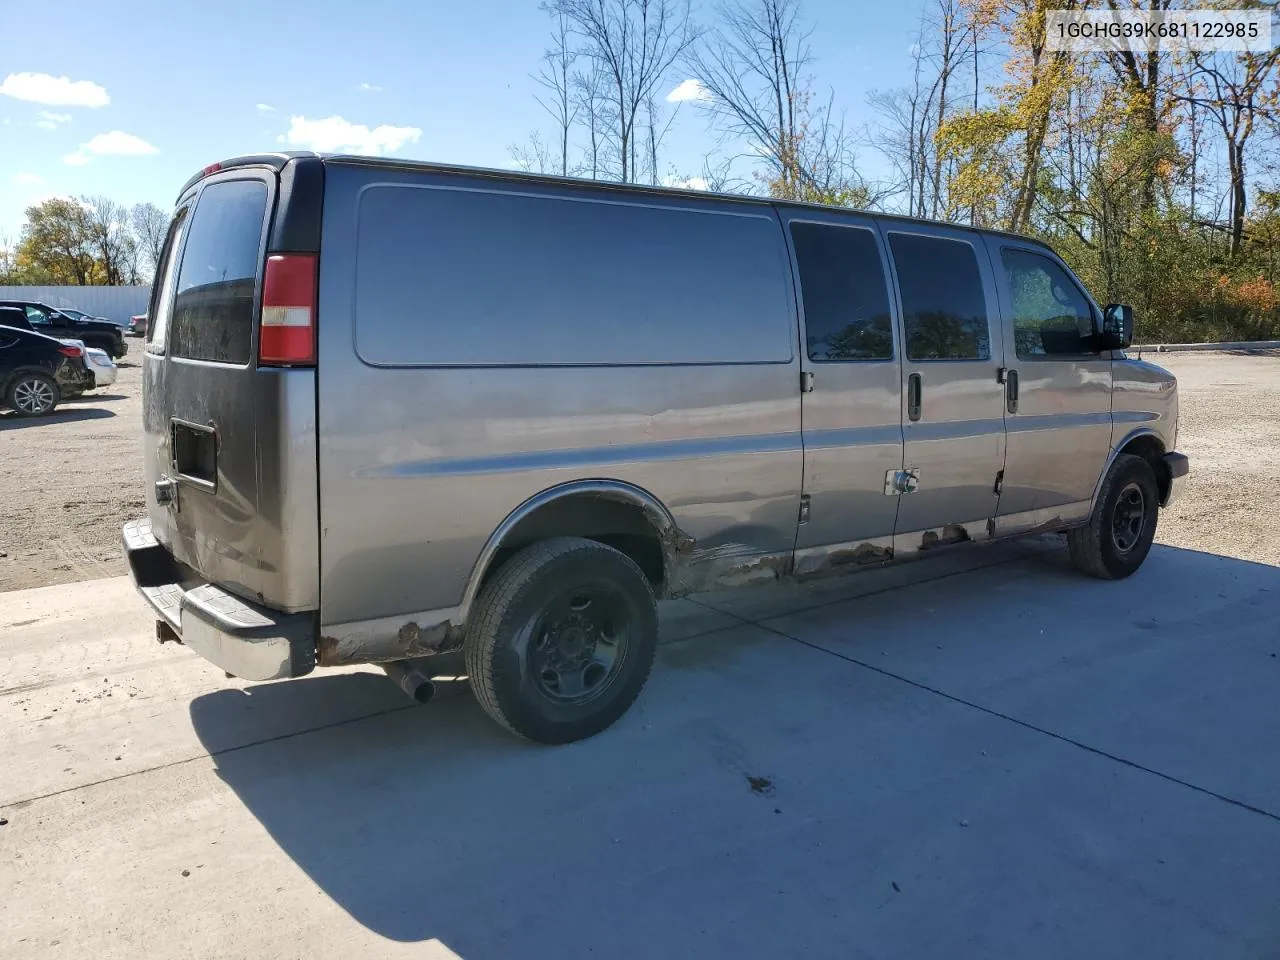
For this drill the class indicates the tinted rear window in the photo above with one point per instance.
(213, 308)
(478, 278)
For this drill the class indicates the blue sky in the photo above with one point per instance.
(129, 98)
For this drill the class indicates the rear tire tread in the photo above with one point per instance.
(495, 601)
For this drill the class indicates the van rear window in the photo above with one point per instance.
(480, 278)
(213, 308)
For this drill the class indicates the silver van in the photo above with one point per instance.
(398, 409)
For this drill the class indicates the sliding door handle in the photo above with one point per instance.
(913, 396)
(1011, 391)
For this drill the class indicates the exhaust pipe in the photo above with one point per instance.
(408, 676)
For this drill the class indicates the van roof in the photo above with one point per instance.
(278, 160)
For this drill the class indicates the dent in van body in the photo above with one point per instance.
(421, 463)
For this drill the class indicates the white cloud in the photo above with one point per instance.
(266, 108)
(117, 143)
(369, 88)
(51, 121)
(690, 89)
(686, 183)
(30, 179)
(54, 91)
(336, 134)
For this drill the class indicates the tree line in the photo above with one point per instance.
(1154, 174)
(89, 241)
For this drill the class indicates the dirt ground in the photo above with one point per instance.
(69, 481)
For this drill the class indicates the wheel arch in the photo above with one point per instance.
(619, 514)
(1147, 444)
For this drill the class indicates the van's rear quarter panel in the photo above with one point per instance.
(420, 464)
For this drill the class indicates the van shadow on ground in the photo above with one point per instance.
(766, 798)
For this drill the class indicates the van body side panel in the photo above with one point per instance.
(1058, 439)
(428, 444)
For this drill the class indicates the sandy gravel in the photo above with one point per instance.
(69, 481)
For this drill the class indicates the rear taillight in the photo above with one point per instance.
(71, 351)
(288, 333)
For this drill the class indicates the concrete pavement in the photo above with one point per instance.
(978, 755)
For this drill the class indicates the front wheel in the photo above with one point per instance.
(561, 640)
(1123, 523)
(33, 395)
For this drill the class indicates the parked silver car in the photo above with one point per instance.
(102, 367)
(504, 413)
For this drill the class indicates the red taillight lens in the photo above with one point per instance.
(70, 351)
(288, 333)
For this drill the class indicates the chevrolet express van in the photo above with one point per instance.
(397, 409)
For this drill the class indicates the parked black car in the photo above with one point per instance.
(52, 322)
(37, 372)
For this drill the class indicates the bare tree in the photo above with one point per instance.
(634, 43)
(150, 225)
(555, 76)
(753, 68)
(112, 240)
(1234, 92)
(593, 108)
(534, 156)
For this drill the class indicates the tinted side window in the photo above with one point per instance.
(37, 316)
(846, 302)
(166, 279)
(944, 311)
(213, 306)
(487, 278)
(1050, 314)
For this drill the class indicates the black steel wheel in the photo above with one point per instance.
(1122, 526)
(561, 639)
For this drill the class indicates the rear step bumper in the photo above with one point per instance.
(244, 639)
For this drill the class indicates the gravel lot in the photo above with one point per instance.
(70, 481)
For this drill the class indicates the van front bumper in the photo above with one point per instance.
(1178, 466)
(245, 639)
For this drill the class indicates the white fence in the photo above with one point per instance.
(114, 303)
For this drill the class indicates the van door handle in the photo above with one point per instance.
(913, 396)
(1011, 391)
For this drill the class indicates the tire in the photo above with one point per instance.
(1122, 526)
(561, 640)
(32, 395)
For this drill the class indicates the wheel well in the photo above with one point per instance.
(1150, 449)
(615, 523)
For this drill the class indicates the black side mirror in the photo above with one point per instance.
(1117, 326)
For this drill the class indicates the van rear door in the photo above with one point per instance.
(230, 441)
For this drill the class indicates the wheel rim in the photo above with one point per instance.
(1128, 518)
(578, 641)
(33, 396)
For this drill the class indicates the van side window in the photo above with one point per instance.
(213, 308)
(1050, 314)
(846, 302)
(163, 283)
(572, 279)
(944, 311)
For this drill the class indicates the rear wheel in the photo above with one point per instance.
(1123, 524)
(562, 639)
(32, 395)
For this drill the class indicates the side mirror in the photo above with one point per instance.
(1117, 326)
